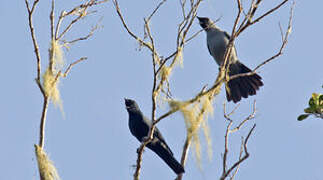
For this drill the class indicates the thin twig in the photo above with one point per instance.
(186, 148)
(190, 22)
(115, 2)
(155, 10)
(51, 17)
(165, 60)
(227, 115)
(226, 147)
(246, 155)
(193, 36)
(215, 86)
(81, 12)
(251, 116)
(225, 171)
(225, 66)
(240, 156)
(36, 50)
(72, 64)
(33, 37)
(69, 26)
(155, 60)
(85, 37)
(68, 69)
(60, 19)
(183, 2)
(249, 22)
(43, 122)
(279, 53)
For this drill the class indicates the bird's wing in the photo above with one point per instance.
(139, 126)
(209, 49)
(228, 36)
(158, 138)
(162, 141)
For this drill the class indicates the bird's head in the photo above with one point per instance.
(131, 104)
(205, 22)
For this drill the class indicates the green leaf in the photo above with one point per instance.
(302, 117)
(309, 110)
(316, 98)
(311, 102)
(321, 99)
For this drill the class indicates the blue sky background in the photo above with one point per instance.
(94, 142)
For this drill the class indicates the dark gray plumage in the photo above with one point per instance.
(139, 127)
(217, 41)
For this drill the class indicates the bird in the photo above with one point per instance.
(140, 125)
(217, 41)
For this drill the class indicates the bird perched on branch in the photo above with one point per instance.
(217, 41)
(139, 127)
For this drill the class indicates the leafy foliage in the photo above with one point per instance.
(315, 107)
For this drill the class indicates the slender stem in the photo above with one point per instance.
(116, 5)
(153, 97)
(33, 36)
(51, 17)
(249, 22)
(73, 64)
(69, 27)
(43, 122)
(186, 148)
(242, 159)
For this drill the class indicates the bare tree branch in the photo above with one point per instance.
(240, 156)
(155, 10)
(249, 22)
(153, 97)
(53, 34)
(69, 26)
(33, 37)
(160, 63)
(116, 5)
(226, 171)
(280, 51)
(80, 11)
(84, 37)
(157, 63)
(251, 116)
(73, 64)
(184, 155)
(42, 122)
(36, 50)
(246, 155)
(51, 17)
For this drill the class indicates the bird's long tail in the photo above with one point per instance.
(164, 153)
(242, 86)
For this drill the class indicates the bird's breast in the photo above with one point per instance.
(217, 45)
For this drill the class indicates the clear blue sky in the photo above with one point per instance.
(94, 142)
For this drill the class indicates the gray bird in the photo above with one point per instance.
(217, 41)
(139, 126)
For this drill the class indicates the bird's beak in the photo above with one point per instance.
(125, 101)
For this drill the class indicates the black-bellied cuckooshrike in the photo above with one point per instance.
(217, 41)
(139, 126)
